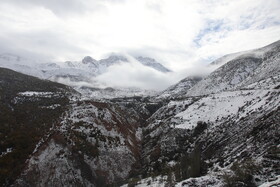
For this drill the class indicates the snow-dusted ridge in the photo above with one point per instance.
(257, 53)
(87, 64)
(250, 67)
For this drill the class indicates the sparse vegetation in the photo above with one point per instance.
(24, 123)
(242, 174)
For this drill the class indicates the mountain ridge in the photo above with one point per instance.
(84, 73)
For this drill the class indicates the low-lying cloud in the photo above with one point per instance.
(134, 74)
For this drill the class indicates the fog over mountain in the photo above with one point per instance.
(115, 70)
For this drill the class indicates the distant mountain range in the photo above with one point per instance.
(81, 74)
(83, 69)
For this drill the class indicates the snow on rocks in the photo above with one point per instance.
(103, 127)
(159, 181)
(8, 150)
(219, 106)
(274, 182)
(36, 94)
(53, 166)
(207, 180)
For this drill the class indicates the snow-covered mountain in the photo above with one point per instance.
(220, 130)
(87, 64)
(233, 70)
(226, 121)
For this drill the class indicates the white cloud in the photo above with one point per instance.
(134, 74)
(217, 45)
(238, 26)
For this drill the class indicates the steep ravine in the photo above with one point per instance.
(96, 144)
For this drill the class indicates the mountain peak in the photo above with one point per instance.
(88, 60)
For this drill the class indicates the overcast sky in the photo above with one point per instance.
(178, 33)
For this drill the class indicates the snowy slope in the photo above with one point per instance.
(241, 71)
(257, 53)
(110, 93)
(217, 107)
(235, 70)
(179, 89)
(227, 77)
(229, 118)
(227, 127)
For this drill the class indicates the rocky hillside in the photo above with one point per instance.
(29, 108)
(96, 144)
(223, 131)
(54, 137)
